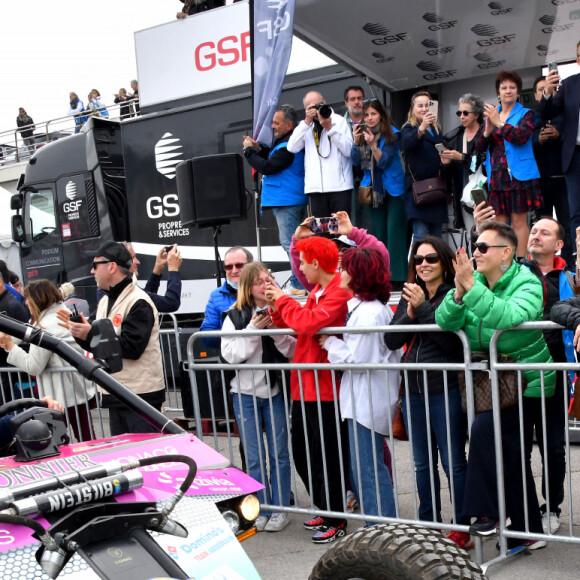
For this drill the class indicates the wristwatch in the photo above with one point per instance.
(374, 148)
(501, 126)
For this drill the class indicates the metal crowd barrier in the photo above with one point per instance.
(210, 393)
(172, 357)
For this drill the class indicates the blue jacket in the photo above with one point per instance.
(286, 187)
(389, 164)
(219, 302)
(567, 335)
(520, 157)
(172, 299)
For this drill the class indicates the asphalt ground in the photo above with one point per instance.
(292, 553)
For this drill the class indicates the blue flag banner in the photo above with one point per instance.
(272, 42)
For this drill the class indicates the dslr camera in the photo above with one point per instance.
(323, 109)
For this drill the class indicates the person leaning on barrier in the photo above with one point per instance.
(364, 402)
(500, 295)
(70, 389)
(222, 298)
(136, 323)
(348, 237)
(316, 428)
(257, 396)
(430, 277)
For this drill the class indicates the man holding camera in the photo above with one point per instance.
(327, 141)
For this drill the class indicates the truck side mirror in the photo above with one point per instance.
(16, 202)
(17, 228)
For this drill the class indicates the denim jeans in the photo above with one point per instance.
(288, 219)
(422, 229)
(438, 429)
(251, 422)
(366, 493)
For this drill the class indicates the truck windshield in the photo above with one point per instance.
(40, 212)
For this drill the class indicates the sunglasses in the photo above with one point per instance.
(238, 266)
(429, 258)
(371, 100)
(95, 264)
(463, 113)
(482, 247)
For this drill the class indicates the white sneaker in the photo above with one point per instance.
(351, 503)
(295, 292)
(553, 520)
(261, 522)
(278, 521)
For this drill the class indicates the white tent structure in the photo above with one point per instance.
(8, 248)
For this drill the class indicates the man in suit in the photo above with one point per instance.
(566, 99)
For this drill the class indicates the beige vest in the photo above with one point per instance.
(144, 375)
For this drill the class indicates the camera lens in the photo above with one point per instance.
(324, 111)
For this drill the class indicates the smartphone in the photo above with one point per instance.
(169, 248)
(325, 225)
(478, 195)
(433, 107)
(440, 147)
(262, 312)
(362, 127)
(552, 66)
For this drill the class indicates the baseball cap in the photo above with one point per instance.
(115, 252)
(344, 241)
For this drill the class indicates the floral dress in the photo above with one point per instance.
(507, 194)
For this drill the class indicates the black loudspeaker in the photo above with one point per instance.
(211, 189)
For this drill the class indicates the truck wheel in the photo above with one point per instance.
(396, 552)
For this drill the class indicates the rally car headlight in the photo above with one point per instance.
(232, 519)
(250, 507)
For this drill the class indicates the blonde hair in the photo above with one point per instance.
(411, 119)
(250, 273)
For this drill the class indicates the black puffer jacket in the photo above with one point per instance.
(431, 347)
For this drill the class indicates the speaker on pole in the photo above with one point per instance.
(211, 190)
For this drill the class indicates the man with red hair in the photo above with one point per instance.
(314, 434)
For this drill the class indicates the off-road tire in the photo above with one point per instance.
(396, 552)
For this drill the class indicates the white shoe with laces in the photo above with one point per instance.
(261, 522)
(552, 520)
(277, 522)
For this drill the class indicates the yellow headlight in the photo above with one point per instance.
(250, 507)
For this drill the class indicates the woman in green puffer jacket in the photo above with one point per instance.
(500, 295)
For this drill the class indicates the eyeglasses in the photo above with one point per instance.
(482, 247)
(95, 264)
(238, 266)
(429, 258)
(463, 113)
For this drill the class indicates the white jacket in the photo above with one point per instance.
(327, 168)
(363, 349)
(248, 349)
(68, 388)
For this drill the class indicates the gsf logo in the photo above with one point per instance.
(442, 25)
(492, 64)
(389, 39)
(444, 74)
(496, 40)
(166, 206)
(557, 28)
(71, 206)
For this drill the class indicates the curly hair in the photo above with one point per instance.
(508, 75)
(369, 272)
(321, 249)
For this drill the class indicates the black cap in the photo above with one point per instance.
(115, 252)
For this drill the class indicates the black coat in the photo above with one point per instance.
(431, 347)
(422, 161)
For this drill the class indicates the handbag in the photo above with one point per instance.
(365, 194)
(508, 385)
(399, 431)
(430, 191)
